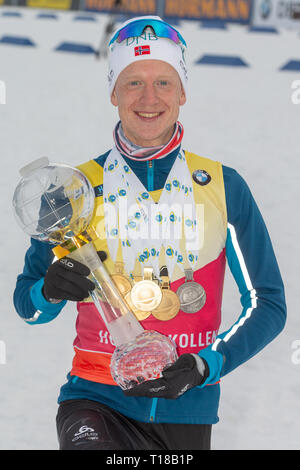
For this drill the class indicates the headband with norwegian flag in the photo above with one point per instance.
(141, 50)
(148, 46)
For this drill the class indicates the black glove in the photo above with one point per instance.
(66, 279)
(187, 372)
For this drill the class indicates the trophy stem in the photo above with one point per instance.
(119, 320)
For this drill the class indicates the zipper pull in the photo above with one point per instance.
(150, 175)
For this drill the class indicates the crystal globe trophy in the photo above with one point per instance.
(54, 203)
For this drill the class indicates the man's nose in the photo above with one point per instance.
(150, 96)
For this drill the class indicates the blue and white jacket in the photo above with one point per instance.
(253, 264)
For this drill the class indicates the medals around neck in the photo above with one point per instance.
(170, 303)
(121, 281)
(191, 294)
(148, 296)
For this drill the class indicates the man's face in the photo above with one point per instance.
(148, 95)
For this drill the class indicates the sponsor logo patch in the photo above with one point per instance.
(201, 177)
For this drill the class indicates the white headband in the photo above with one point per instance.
(145, 47)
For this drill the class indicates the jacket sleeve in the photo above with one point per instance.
(28, 299)
(253, 264)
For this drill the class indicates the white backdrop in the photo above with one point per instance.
(57, 105)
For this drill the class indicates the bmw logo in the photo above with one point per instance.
(201, 177)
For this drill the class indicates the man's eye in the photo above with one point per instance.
(162, 83)
(134, 83)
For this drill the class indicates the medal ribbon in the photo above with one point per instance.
(144, 227)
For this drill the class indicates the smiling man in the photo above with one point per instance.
(148, 168)
(148, 95)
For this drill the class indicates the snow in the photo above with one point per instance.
(57, 105)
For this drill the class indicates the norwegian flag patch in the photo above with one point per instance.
(141, 50)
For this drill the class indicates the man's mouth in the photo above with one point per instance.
(148, 115)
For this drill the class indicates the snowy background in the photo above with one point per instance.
(57, 105)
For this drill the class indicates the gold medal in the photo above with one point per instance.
(170, 304)
(146, 295)
(140, 315)
(121, 281)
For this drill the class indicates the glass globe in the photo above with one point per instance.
(142, 359)
(53, 202)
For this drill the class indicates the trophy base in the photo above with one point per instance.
(142, 359)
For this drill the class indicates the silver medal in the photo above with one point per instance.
(192, 295)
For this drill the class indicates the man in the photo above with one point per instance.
(148, 84)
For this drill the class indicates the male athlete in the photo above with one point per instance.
(149, 167)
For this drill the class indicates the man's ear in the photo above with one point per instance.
(182, 99)
(113, 98)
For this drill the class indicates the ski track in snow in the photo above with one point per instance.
(58, 105)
